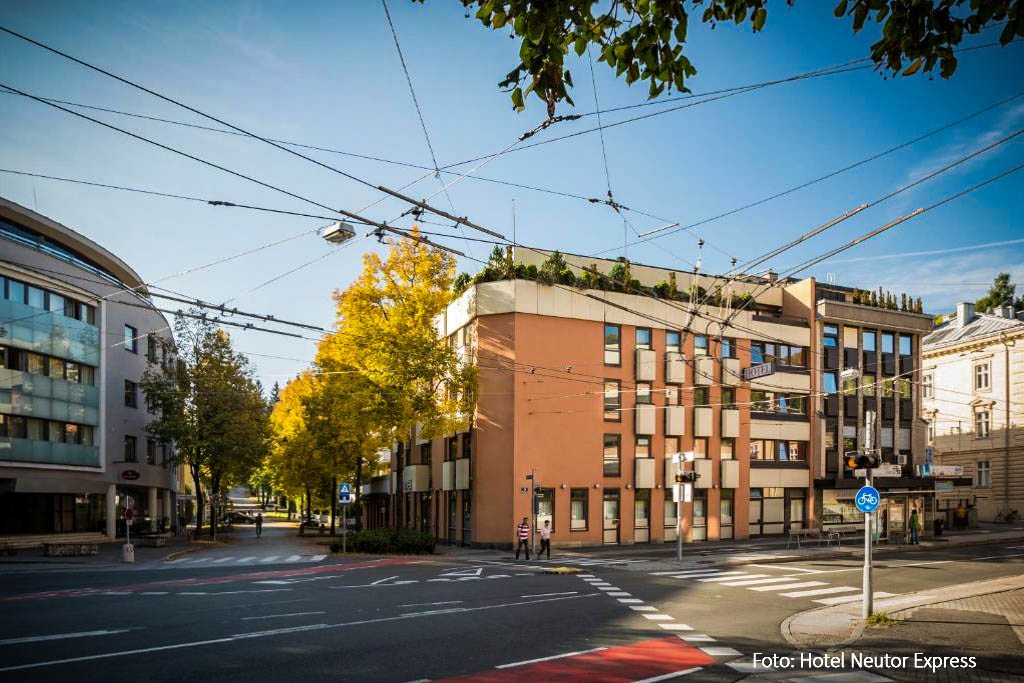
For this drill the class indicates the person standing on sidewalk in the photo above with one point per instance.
(523, 534)
(961, 516)
(259, 524)
(915, 527)
(545, 539)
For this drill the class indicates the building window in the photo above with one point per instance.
(906, 345)
(931, 431)
(671, 395)
(928, 386)
(671, 446)
(981, 423)
(612, 461)
(887, 342)
(700, 447)
(643, 337)
(35, 364)
(779, 403)
(830, 382)
(672, 344)
(453, 449)
(791, 356)
(55, 368)
(643, 392)
(129, 449)
(425, 454)
(831, 337)
(888, 384)
(904, 439)
(869, 341)
(867, 384)
(151, 347)
(643, 447)
(725, 508)
(700, 345)
(728, 398)
(612, 401)
(150, 452)
(131, 394)
(981, 377)
(904, 387)
(780, 450)
(131, 339)
(467, 448)
(612, 345)
(545, 508)
(850, 387)
(728, 447)
(700, 396)
(578, 509)
(984, 474)
(728, 347)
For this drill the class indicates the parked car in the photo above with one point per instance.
(239, 517)
(313, 522)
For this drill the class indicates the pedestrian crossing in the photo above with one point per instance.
(236, 560)
(790, 586)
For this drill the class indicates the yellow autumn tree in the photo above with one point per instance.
(386, 330)
(295, 462)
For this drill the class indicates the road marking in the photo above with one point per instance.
(992, 557)
(154, 593)
(727, 577)
(619, 594)
(317, 558)
(749, 667)
(197, 560)
(274, 583)
(757, 582)
(722, 575)
(607, 588)
(820, 591)
(116, 593)
(248, 559)
(269, 559)
(684, 574)
(548, 659)
(721, 651)
(786, 586)
(221, 559)
(431, 604)
(845, 677)
(60, 636)
(850, 598)
(380, 581)
(630, 601)
(281, 616)
(665, 677)
(675, 627)
(294, 558)
(697, 638)
(642, 608)
(657, 617)
(546, 595)
(590, 576)
(788, 568)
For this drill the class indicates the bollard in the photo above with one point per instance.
(128, 553)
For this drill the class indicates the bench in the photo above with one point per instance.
(70, 549)
(803, 534)
(836, 532)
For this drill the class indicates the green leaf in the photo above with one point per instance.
(859, 15)
(1008, 31)
(567, 77)
(760, 16)
(840, 9)
(681, 29)
(498, 20)
(580, 46)
(884, 12)
(519, 24)
(517, 99)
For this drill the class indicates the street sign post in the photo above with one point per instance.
(128, 550)
(344, 499)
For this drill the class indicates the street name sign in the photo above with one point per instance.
(867, 499)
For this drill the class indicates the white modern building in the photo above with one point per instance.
(973, 403)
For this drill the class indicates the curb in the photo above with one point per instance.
(201, 545)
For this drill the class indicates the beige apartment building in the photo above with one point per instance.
(974, 407)
(585, 394)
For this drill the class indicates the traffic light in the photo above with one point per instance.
(862, 461)
(684, 477)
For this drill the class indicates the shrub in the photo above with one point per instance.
(388, 542)
(531, 272)
(663, 289)
(461, 283)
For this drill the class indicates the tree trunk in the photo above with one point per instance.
(200, 500)
(358, 491)
(215, 489)
(334, 502)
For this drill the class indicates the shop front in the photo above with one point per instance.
(891, 521)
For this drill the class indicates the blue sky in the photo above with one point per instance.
(328, 74)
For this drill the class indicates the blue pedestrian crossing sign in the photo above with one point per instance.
(867, 499)
(344, 494)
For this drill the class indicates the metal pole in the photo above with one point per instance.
(868, 592)
(533, 510)
(344, 529)
(677, 494)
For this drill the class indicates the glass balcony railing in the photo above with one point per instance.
(23, 393)
(48, 453)
(50, 333)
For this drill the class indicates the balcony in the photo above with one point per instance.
(730, 474)
(416, 478)
(39, 396)
(643, 473)
(702, 466)
(702, 425)
(645, 365)
(675, 420)
(448, 475)
(48, 453)
(675, 368)
(730, 371)
(730, 423)
(50, 333)
(644, 419)
(703, 370)
(462, 474)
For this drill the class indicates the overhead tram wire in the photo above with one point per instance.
(188, 108)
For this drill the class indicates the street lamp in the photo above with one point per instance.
(338, 232)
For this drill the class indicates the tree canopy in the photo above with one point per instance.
(645, 40)
(1001, 293)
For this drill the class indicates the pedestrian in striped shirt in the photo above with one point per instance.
(523, 534)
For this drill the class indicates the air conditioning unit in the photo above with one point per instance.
(901, 459)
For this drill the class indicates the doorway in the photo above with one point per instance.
(453, 515)
(642, 516)
(611, 516)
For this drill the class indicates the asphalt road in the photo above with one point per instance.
(406, 619)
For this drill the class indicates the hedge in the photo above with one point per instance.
(388, 542)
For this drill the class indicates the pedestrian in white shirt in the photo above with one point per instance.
(545, 539)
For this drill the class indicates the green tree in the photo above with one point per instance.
(208, 403)
(1001, 293)
(645, 40)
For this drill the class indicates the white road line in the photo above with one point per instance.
(786, 586)
(666, 677)
(431, 604)
(317, 558)
(820, 591)
(697, 638)
(758, 582)
(631, 601)
(60, 636)
(547, 595)
(727, 577)
(850, 598)
(154, 593)
(844, 677)
(721, 651)
(116, 593)
(274, 582)
(222, 559)
(749, 667)
(657, 617)
(380, 581)
(607, 588)
(197, 560)
(675, 627)
(991, 557)
(294, 558)
(281, 616)
(548, 659)
(619, 594)
(265, 560)
(600, 583)
(684, 574)
(247, 559)
(642, 608)
(585, 576)
(787, 568)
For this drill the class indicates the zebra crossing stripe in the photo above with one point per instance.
(294, 558)
(697, 638)
(727, 577)
(757, 582)
(267, 560)
(820, 591)
(786, 586)
(692, 572)
(317, 558)
(247, 559)
(850, 598)
(222, 559)
(676, 627)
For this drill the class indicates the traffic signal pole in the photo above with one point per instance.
(868, 592)
(679, 509)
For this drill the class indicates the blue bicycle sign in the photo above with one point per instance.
(867, 499)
